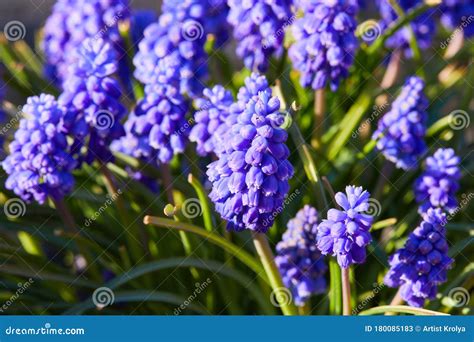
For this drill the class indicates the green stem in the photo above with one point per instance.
(279, 290)
(204, 202)
(346, 292)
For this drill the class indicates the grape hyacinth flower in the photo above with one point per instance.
(458, 14)
(157, 129)
(400, 132)
(423, 26)
(422, 264)
(300, 263)
(258, 27)
(73, 21)
(39, 164)
(140, 20)
(92, 97)
(211, 128)
(345, 232)
(180, 33)
(250, 178)
(325, 42)
(437, 186)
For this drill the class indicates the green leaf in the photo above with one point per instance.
(236, 251)
(381, 310)
(139, 297)
(209, 265)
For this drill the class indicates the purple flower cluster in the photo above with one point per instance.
(177, 38)
(345, 232)
(157, 129)
(39, 164)
(422, 263)
(400, 132)
(210, 129)
(73, 21)
(92, 97)
(300, 263)
(458, 14)
(325, 42)
(250, 178)
(423, 26)
(259, 29)
(437, 186)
